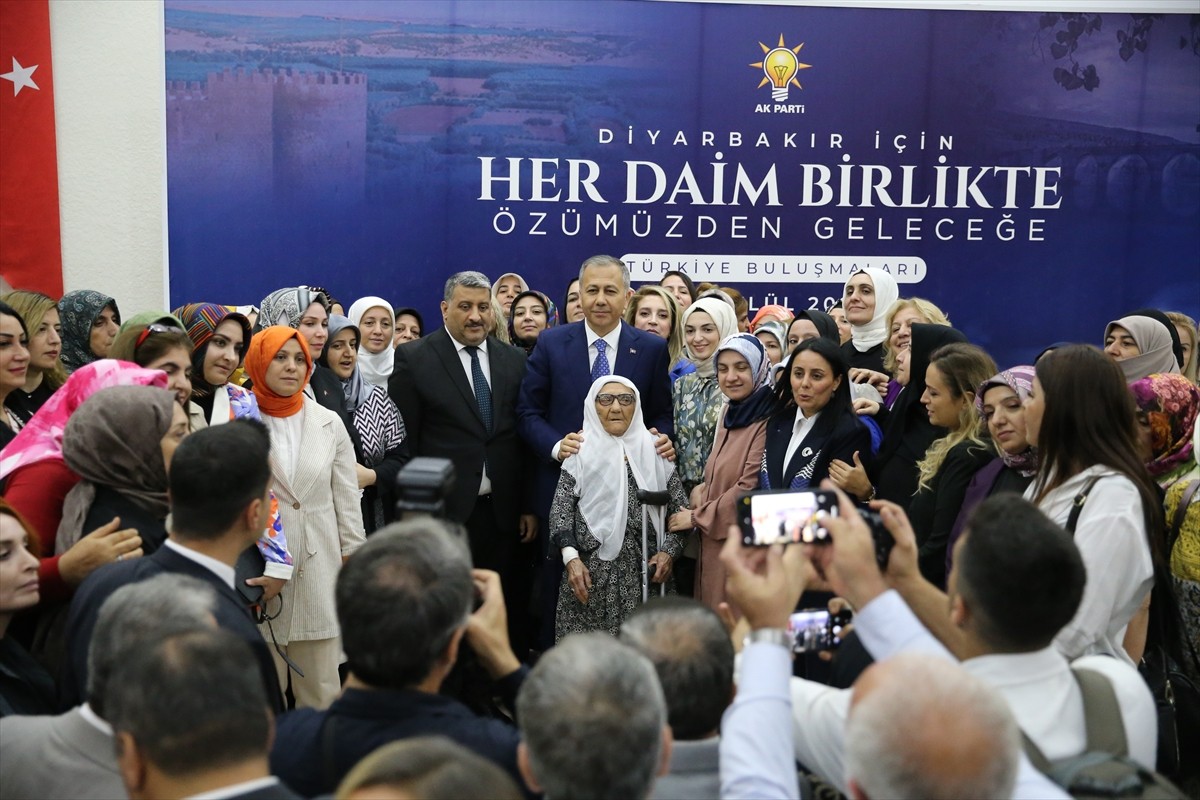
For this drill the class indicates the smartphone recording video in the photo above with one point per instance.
(815, 629)
(785, 517)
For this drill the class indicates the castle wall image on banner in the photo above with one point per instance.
(259, 135)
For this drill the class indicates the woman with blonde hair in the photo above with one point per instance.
(45, 373)
(655, 310)
(954, 374)
(899, 321)
(1188, 336)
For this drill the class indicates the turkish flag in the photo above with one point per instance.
(30, 246)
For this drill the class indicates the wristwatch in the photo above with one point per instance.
(778, 636)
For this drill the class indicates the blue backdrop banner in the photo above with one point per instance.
(1034, 174)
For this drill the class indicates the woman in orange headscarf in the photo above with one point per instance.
(312, 462)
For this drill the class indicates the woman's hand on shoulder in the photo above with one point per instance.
(366, 477)
(108, 543)
(662, 445)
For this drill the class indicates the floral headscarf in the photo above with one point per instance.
(78, 311)
(1170, 403)
(1020, 380)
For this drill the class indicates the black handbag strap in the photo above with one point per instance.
(1077, 505)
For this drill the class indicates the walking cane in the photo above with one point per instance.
(658, 499)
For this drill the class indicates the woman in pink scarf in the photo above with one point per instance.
(36, 479)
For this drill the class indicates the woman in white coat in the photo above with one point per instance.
(312, 463)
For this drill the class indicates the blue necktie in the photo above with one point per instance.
(483, 392)
(600, 368)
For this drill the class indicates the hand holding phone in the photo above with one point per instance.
(814, 630)
(785, 517)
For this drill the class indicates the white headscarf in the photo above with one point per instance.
(375, 368)
(601, 483)
(496, 287)
(726, 320)
(886, 292)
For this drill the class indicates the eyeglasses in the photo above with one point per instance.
(606, 400)
(156, 328)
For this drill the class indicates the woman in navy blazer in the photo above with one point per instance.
(814, 409)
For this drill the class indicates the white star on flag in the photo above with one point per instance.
(20, 77)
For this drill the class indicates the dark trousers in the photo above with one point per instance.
(501, 550)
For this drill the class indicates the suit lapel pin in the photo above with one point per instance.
(632, 352)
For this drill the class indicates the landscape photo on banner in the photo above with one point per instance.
(1034, 174)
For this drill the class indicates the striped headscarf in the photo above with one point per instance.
(201, 320)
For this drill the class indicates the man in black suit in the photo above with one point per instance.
(212, 734)
(219, 506)
(457, 392)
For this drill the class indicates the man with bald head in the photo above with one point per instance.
(922, 727)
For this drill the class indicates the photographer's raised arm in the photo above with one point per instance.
(849, 564)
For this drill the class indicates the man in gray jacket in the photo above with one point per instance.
(73, 755)
(693, 655)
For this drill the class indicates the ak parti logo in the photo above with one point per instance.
(779, 67)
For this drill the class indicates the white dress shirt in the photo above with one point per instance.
(236, 789)
(485, 363)
(286, 435)
(93, 719)
(611, 340)
(756, 730)
(887, 626)
(219, 568)
(1111, 536)
(800, 429)
(1038, 687)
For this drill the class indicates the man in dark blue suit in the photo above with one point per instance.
(561, 369)
(569, 358)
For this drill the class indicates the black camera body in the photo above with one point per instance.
(423, 485)
(880, 535)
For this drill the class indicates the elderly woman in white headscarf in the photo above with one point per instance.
(596, 518)
(375, 320)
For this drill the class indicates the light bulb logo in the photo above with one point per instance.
(779, 67)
